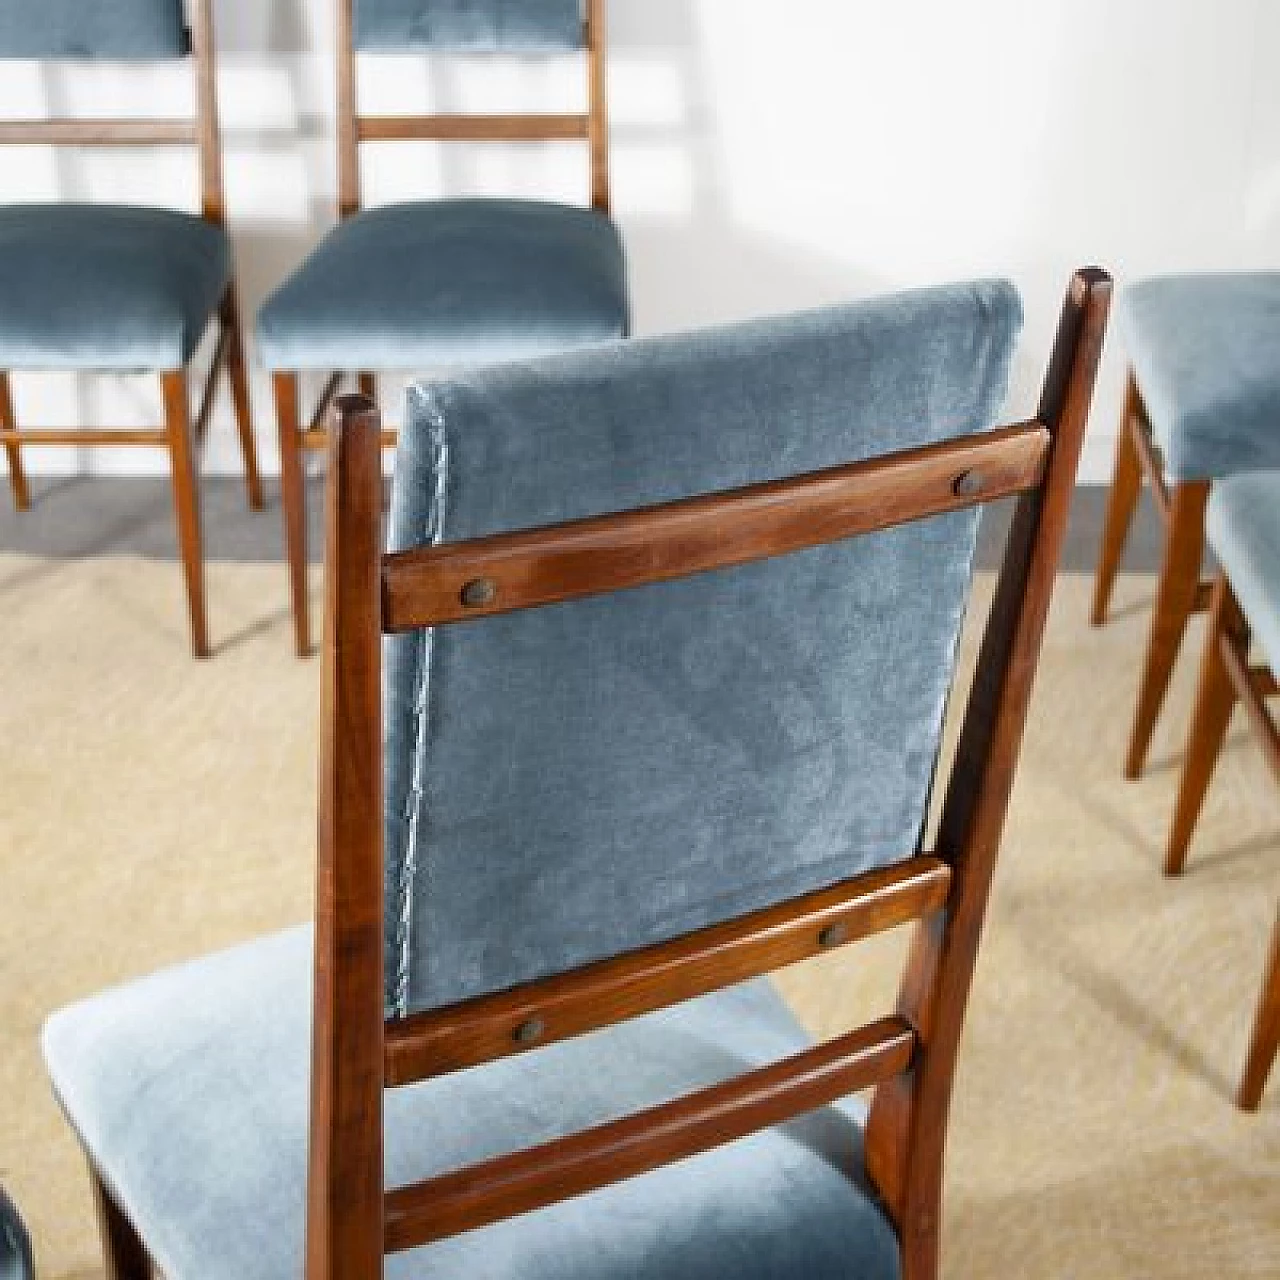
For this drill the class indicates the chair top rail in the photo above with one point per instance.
(502, 573)
(447, 127)
(141, 132)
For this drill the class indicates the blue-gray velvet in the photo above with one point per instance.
(572, 782)
(15, 1244)
(1243, 527)
(479, 26)
(444, 282)
(106, 286)
(1204, 353)
(189, 1090)
(109, 29)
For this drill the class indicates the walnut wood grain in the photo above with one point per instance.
(344, 1204)
(425, 587)
(645, 1140)
(625, 986)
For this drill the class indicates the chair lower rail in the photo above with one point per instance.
(526, 1180)
(85, 436)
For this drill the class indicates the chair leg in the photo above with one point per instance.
(368, 383)
(1266, 1032)
(13, 450)
(238, 373)
(186, 501)
(125, 1255)
(1214, 703)
(1126, 484)
(1175, 601)
(293, 498)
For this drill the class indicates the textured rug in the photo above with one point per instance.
(152, 808)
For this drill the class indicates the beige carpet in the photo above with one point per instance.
(152, 808)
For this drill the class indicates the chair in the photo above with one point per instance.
(634, 759)
(438, 283)
(117, 288)
(15, 1245)
(1244, 533)
(1202, 400)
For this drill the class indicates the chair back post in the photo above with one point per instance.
(907, 1126)
(209, 142)
(598, 108)
(345, 1191)
(348, 143)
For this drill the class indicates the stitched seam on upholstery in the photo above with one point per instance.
(415, 800)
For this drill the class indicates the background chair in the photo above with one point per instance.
(1202, 401)
(1244, 533)
(615, 814)
(443, 282)
(120, 288)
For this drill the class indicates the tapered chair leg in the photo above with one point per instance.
(1266, 1032)
(1175, 602)
(1214, 703)
(186, 501)
(293, 499)
(124, 1253)
(238, 374)
(368, 383)
(13, 451)
(1126, 484)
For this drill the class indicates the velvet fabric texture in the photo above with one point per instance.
(106, 286)
(189, 1089)
(1203, 350)
(577, 781)
(443, 282)
(108, 29)
(477, 26)
(1243, 528)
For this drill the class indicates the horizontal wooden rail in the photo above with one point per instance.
(464, 1035)
(620, 1149)
(452, 583)
(99, 133)
(319, 438)
(88, 436)
(211, 384)
(477, 128)
(1251, 692)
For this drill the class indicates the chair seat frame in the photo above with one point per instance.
(353, 1220)
(183, 432)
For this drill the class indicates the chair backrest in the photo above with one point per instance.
(470, 26)
(670, 634)
(130, 30)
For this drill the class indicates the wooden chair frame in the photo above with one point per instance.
(1179, 590)
(182, 434)
(591, 127)
(352, 1219)
(1226, 677)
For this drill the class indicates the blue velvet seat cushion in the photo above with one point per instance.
(125, 29)
(620, 770)
(1204, 354)
(445, 282)
(189, 1090)
(480, 26)
(1243, 527)
(106, 286)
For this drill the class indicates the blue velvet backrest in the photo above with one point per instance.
(124, 29)
(576, 781)
(479, 26)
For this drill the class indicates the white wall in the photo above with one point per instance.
(766, 156)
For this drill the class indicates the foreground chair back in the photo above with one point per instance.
(120, 288)
(670, 629)
(437, 283)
